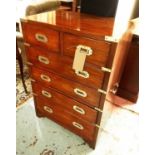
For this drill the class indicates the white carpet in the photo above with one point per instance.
(40, 136)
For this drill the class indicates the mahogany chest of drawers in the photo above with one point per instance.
(70, 63)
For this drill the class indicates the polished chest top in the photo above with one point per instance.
(70, 63)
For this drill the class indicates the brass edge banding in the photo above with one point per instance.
(98, 109)
(111, 39)
(23, 20)
(26, 44)
(34, 94)
(29, 63)
(32, 80)
(97, 126)
(106, 69)
(102, 91)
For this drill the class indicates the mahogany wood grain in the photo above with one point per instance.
(66, 119)
(67, 87)
(65, 102)
(63, 65)
(74, 5)
(31, 30)
(70, 29)
(100, 48)
(75, 23)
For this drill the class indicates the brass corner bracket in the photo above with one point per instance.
(111, 39)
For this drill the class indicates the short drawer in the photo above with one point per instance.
(70, 88)
(100, 48)
(51, 97)
(39, 35)
(62, 117)
(62, 65)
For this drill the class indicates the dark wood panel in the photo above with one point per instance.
(66, 119)
(49, 38)
(63, 66)
(129, 82)
(67, 87)
(84, 112)
(100, 48)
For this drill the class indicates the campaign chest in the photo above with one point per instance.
(70, 63)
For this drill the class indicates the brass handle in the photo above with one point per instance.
(114, 88)
(43, 59)
(77, 125)
(45, 77)
(41, 37)
(80, 57)
(48, 109)
(83, 74)
(85, 49)
(80, 92)
(46, 94)
(78, 109)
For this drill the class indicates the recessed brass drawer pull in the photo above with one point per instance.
(46, 108)
(43, 59)
(77, 125)
(46, 94)
(80, 92)
(45, 77)
(78, 109)
(41, 37)
(83, 74)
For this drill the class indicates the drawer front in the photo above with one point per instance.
(92, 77)
(60, 100)
(65, 119)
(44, 37)
(100, 48)
(81, 93)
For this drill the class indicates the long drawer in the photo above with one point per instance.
(67, 120)
(91, 76)
(100, 49)
(43, 37)
(72, 89)
(51, 97)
